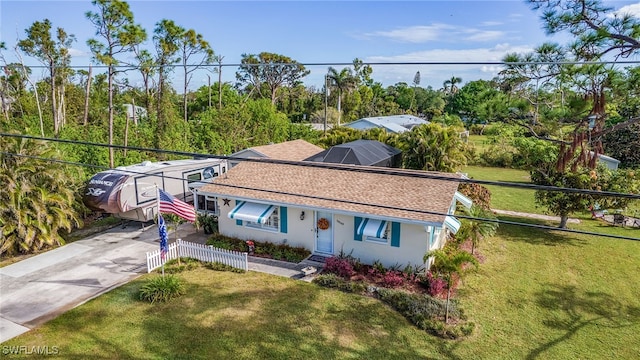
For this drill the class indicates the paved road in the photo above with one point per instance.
(41, 287)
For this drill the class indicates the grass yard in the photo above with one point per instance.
(503, 197)
(545, 295)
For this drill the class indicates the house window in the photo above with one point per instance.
(384, 239)
(271, 224)
(208, 204)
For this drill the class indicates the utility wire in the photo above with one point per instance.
(389, 171)
(374, 63)
(497, 221)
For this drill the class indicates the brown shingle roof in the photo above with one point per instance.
(340, 190)
(295, 150)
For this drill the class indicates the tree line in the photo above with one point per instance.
(564, 102)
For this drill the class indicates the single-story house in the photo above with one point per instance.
(294, 150)
(393, 123)
(361, 152)
(375, 214)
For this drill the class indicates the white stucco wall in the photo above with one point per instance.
(414, 238)
(299, 232)
(413, 245)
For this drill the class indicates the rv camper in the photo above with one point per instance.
(129, 192)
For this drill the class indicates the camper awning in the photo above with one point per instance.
(465, 201)
(373, 228)
(250, 211)
(452, 224)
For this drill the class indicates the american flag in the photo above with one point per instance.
(164, 237)
(171, 205)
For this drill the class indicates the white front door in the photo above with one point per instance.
(324, 238)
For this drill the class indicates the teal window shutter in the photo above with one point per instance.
(238, 222)
(395, 234)
(356, 224)
(283, 219)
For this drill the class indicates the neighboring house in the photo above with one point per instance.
(372, 215)
(361, 152)
(608, 161)
(295, 150)
(393, 124)
(134, 113)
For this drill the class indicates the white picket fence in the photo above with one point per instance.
(201, 252)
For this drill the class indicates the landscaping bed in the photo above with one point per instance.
(265, 249)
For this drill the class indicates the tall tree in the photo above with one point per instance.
(535, 71)
(266, 73)
(166, 39)
(597, 31)
(195, 52)
(115, 26)
(362, 73)
(450, 86)
(55, 55)
(342, 80)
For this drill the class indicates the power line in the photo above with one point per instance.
(389, 171)
(497, 221)
(399, 63)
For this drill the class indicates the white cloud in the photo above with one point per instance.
(633, 10)
(414, 34)
(491, 23)
(77, 53)
(438, 32)
(456, 63)
(485, 35)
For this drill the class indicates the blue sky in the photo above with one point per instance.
(323, 32)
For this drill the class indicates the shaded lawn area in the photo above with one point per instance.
(554, 295)
(235, 316)
(538, 295)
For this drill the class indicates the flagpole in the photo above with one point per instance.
(158, 220)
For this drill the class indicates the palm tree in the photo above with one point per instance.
(432, 147)
(449, 264)
(450, 86)
(344, 81)
(475, 229)
(38, 198)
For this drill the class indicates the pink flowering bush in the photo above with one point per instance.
(339, 266)
(392, 279)
(437, 285)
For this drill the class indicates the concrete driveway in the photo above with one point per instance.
(41, 287)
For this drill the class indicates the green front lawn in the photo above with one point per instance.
(546, 295)
(504, 197)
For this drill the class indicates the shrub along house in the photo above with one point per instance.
(394, 218)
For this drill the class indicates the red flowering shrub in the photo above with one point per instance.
(339, 266)
(436, 284)
(392, 279)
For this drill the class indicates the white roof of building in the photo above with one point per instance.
(393, 123)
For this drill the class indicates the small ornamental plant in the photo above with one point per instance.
(162, 289)
(251, 245)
